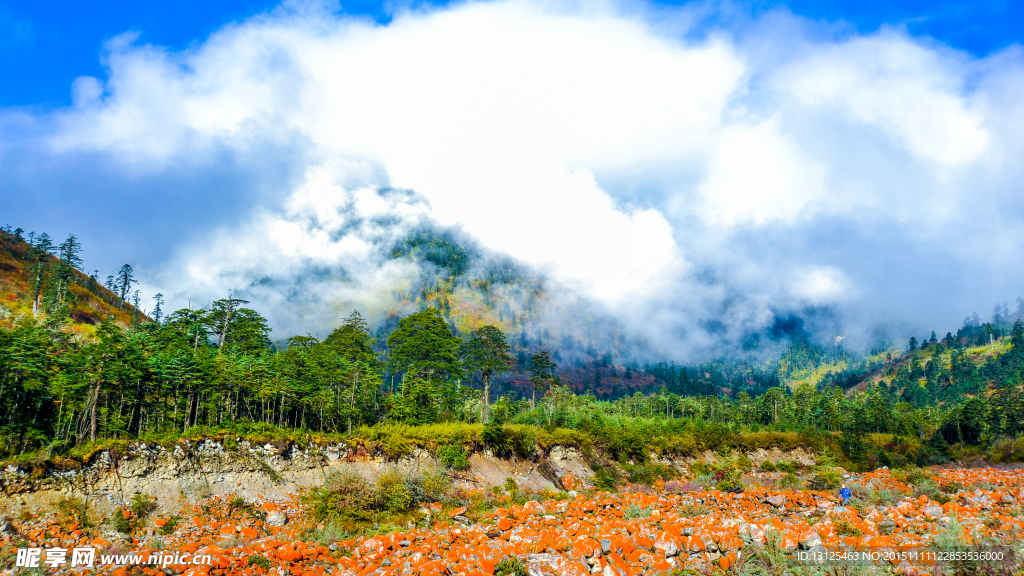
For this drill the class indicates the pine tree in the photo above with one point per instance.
(68, 260)
(221, 315)
(543, 370)
(158, 309)
(124, 281)
(488, 351)
(41, 252)
(69, 252)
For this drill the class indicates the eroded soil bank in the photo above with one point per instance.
(193, 470)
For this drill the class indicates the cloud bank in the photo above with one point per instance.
(693, 180)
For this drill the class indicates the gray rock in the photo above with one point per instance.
(114, 535)
(606, 546)
(886, 527)
(277, 518)
(810, 542)
(777, 501)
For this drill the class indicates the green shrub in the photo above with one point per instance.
(75, 508)
(928, 487)
(238, 503)
(345, 497)
(329, 534)
(257, 560)
(729, 485)
(122, 524)
(786, 466)
(827, 478)
(391, 493)
(768, 466)
(1007, 450)
(845, 528)
(951, 487)
(694, 510)
(790, 482)
(351, 502)
(506, 441)
(142, 505)
(510, 485)
(452, 457)
(394, 446)
(700, 468)
(510, 566)
(431, 485)
(168, 528)
(911, 475)
(680, 445)
(634, 511)
(606, 476)
(881, 496)
(726, 476)
(744, 463)
(649, 473)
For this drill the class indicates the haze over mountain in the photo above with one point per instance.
(694, 173)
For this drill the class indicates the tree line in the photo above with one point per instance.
(218, 366)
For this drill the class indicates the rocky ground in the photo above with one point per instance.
(674, 527)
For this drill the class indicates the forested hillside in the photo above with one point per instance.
(41, 278)
(78, 365)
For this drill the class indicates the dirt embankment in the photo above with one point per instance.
(192, 470)
(195, 470)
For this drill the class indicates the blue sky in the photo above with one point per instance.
(44, 46)
(682, 167)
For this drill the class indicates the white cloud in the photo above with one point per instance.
(756, 173)
(674, 180)
(913, 93)
(819, 286)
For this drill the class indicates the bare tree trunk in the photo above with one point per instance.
(92, 411)
(487, 398)
(353, 402)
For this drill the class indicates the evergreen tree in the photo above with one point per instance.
(353, 344)
(543, 370)
(124, 281)
(158, 309)
(41, 252)
(487, 351)
(424, 344)
(220, 317)
(70, 251)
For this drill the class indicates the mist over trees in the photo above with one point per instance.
(134, 376)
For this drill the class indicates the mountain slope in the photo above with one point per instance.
(25, 271)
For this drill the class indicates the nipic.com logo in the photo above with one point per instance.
(87, 558)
